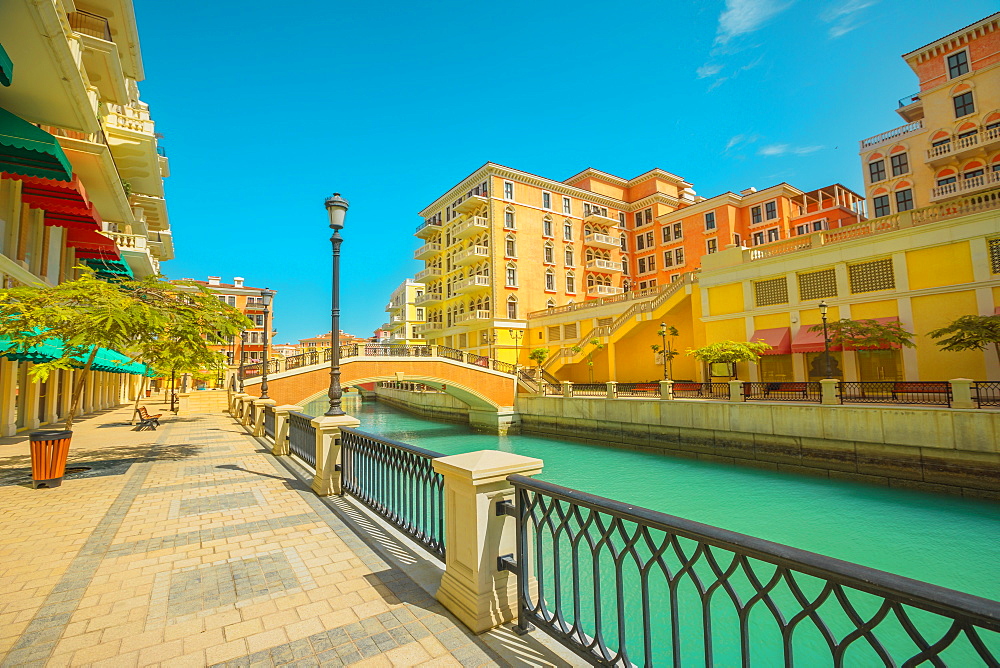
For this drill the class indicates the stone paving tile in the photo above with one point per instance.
(205, 551)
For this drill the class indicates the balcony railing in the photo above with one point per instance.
(962, 186)
(470, 255)
(907, 100)
(429, 272)
(86, 23)
(980, 139)
(428, 298)
(128, 117)
(473, 283)
(473, 225)
(603, 265)
(472, 203)
(600, 241)
(130, 241)
(599, 218)
(427, 250)
(604, 290)
(473, 317)
(426, 327)
(895, 133)
(427, 228)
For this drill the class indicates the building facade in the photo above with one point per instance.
(252, 343)
(404, 315)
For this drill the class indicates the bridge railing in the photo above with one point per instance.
(302, 437)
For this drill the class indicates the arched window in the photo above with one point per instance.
(590, 280)
(588, 230)
(510, 246)
(590, 255)
(623, 242)
(511, 275)
(548, 253)
(625, 265)
(570, 282)
(512, 307)
(550, 304)
(508, 218)
(547, 226)
(567, 230)
(550, 279)
(568, 256)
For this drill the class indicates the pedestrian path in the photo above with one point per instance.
(192, 546)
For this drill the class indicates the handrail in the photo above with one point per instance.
(892, 134)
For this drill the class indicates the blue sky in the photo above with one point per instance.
(268, 108)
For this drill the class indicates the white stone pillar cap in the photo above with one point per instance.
(487, 466)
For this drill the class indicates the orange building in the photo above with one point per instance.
(249, 347)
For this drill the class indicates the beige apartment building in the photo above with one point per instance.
(404, 314)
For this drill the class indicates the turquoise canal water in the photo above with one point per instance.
(948, 541)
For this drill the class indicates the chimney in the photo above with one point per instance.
(749, 191)
(214, 280)
(238, 281)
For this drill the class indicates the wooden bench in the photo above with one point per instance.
(920, 388)
(798, 388)
(147, 420)
(681, 386)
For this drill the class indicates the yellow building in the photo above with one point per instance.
(404, 314)
(950, 145)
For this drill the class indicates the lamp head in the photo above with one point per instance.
(336, 208)
(266, 297)
(822, 309)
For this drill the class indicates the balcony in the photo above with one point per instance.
(473, 203)
(129, 118)
(911, 107)
(425, 328)
(136, 251)
(473, 317)
(429, 272)
(472, 284)
(965, 146)
(892, 135)
(470, 255)
(397, 319)
(427, 251)
(470, 227)
(86, 23)
(604, 266)
(428, 228)
(601, 241)
(603, 290)
(428, 298)
(600, 219)
(986, 181)
(392, 306)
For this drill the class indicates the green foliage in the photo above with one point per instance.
(866, 334)
(729, 352)
(539, 355)
(969, 332)
(595, 346)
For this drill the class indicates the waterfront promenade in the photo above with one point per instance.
(192, 546)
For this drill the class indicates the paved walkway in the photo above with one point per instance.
(192, 546)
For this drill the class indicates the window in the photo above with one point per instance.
(958, 64)
(511, 275)
(621, 218)
(755, 216)
(512, 307)
(710, 220)
(678, 256)
(941, 142)
(711, 245)
(668, 259)
(650, 240)
(420, 313)
(819, 225)
(876, 171)
(568, 257)
(972, 173)
(643, 217)
(510, 246)
(871, 276)
(257, 318)
(736, 239)
(548, 254)
(964, 104)
(771, 210)
(550, 304)
(623, 243)
(570, 282)
(904, 200)
(678, 231)
(547, 227)
(817, 284)
(508, 190)
(508, 219)
(546, 200)
(881, 205)
(900, 164)
(550, 280)
(640, 242)
(770, 292)
(567, 207)
(568, 231)
(758, 238)
(994, 247)
(946, 180)
(665, 233)
(647, 264)
(625, 266)
(773, 234)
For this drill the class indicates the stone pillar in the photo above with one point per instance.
(612, 389)
(961, 393)
(31, 395)
(327, 478)
(52, 398)
(258, 425)
(280, 446)
(667, 390)
(235, 403)
(69, 382)
(183, 403)
(88, 394)
(567, 388)
(736, 390)
(8, 396)
(500, 421)
(247, 399)
(829, 387)
(472, 588)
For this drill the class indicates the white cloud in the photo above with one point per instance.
(737, 141)
(708, 70)
(843, 15)
(741, 17)
(786, 149)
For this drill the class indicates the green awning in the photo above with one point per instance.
(30, 151)
(6, 68)
(109, 268)
(106, 359)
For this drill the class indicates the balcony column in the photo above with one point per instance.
(30, 403)
(8, 396)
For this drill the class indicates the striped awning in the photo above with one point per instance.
(30, 151)
(6, 67)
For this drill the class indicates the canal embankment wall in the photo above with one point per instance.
(434, 405)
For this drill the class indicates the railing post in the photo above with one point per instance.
(327, 478)
(472, 588)
(961, 393)
(612, 389)
(736, 390)
(433, 350)
(567, 389)
(828, 391)
(247, 399)
(667, 390)
(280, 447)
(258, 424)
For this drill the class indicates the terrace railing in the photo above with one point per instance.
(269, 422)
(650, 390)
(627, 586)
(986, 392)
(590, 389)
(783, 391)
(397, 481)
(693, 390)
(935, 393)
(302, 437)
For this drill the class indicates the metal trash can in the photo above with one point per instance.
(49, 449)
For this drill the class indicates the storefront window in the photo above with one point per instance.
(879, 365)
(816, 366)
(776, 368)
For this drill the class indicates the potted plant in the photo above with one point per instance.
(78, 321)
(538, 356)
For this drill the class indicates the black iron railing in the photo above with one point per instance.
(398, 482)
(986, 392)
(451, 353)
(251, 413)
(627, 586)
(935, 393)
(507, 367)
(692, 390)
(590, 389)
(782, 391)
(478, 360)
(269, 422)
(552, 389)
(648, 390)
(302, 437)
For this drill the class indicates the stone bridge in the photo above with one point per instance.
(487, 386)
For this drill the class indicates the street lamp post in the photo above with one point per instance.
(243, 345)
(517, 335)
(265, 296)
(336, 209)
(663, 348)
(826, 338)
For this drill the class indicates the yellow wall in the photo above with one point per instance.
(939, 265)
(931, 312)
(871, 310)
(771, 321)
(725, 299)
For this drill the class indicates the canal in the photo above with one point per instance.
(949, 541)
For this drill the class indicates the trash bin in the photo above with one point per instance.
(49, 449)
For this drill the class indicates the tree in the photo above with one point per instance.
(597, 345)
(866, 334)
(729, 352)
(538, 356)
(970, 332)
(148, 320)
(668, 355)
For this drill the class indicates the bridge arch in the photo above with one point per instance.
(474, 399)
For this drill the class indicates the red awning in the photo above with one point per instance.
(779, 338)
(65, 202)
(809, 342)
(90, 244)
(996, 311)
